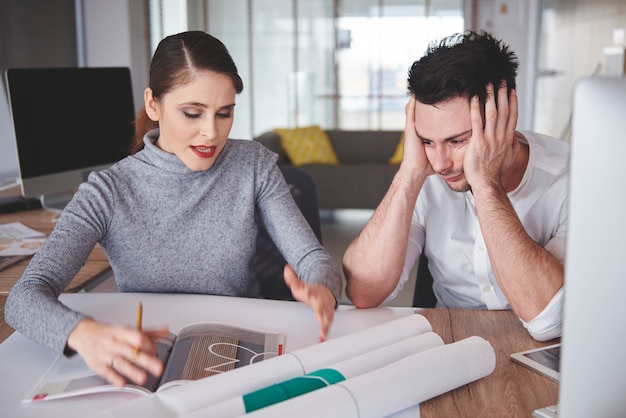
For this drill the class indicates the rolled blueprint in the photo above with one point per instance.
(201, 393)
(318, 379)
(395, 387)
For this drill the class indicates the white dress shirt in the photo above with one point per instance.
(445, 226)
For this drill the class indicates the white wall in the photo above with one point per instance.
(115, 34)
(515, 22)
(574, 34)
(8, 153)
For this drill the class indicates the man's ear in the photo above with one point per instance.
(151, 105)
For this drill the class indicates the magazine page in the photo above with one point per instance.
(71, 376)
(16, 239)
(206, 349)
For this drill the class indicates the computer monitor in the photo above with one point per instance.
(67, 123)
(593, 360)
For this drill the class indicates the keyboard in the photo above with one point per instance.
(547, 412)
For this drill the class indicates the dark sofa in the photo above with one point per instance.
(363, 174)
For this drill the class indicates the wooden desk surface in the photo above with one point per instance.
(511, 390)
(43, 220)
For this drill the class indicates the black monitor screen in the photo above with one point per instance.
(67, 119)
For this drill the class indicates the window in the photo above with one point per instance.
(337, 63)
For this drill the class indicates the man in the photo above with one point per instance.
(486, 204)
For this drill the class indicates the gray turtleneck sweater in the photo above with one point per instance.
(168, 229)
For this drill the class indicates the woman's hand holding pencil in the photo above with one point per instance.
(139, 319)
(118, 352)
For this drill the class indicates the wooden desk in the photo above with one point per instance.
(42, 220)
(511, 390)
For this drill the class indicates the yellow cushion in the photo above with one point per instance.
(307, 145)
(396, 158)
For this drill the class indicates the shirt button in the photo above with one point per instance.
(487, 288)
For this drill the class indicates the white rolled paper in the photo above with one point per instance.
(192, 396)
(346, 369)
(395, 387)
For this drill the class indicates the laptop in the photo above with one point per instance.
(592, 380)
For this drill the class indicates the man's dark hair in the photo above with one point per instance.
(461, 65)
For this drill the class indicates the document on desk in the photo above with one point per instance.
(16, 239)
(198, 351)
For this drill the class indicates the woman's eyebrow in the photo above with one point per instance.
(200, 104)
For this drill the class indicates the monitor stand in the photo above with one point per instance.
(55, 202)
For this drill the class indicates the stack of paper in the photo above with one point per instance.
(376, 372)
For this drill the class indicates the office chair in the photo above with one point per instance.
(423, 296)
(268, 262)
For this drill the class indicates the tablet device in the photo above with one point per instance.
(544, 360)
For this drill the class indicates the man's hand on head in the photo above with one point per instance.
(491, 150)
(414, 155)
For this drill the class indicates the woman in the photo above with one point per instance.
(179, 215)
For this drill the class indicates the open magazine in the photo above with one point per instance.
(198, 351)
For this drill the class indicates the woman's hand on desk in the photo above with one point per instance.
(317, 296)
(117, 351)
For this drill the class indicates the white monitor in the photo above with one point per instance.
(593, 359)
(67, 123)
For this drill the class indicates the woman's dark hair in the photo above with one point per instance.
(462, 65)
(175, 60)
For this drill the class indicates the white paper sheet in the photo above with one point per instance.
(393, 388)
